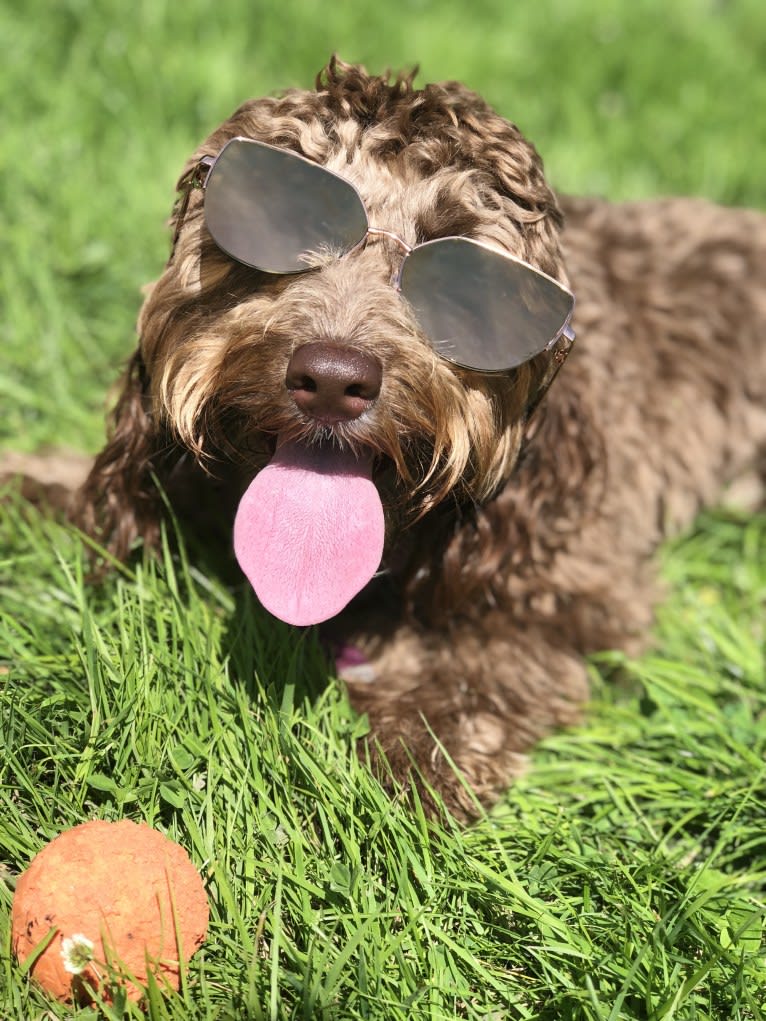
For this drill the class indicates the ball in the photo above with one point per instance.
(116, 901)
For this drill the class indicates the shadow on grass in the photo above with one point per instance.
(269, 656)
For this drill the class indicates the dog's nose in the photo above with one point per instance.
(331, 382)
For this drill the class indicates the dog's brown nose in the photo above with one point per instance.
(333, 383)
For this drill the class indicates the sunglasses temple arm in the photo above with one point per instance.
(558, 359)
(192, 179)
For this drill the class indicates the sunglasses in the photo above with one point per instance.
(482, 309)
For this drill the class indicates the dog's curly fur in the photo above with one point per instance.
(513, 547)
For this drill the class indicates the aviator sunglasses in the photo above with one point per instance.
(482, 309)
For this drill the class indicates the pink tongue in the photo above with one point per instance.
(309, 532)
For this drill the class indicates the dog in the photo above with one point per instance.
(361, 357)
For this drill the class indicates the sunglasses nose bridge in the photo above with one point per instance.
(404, 248)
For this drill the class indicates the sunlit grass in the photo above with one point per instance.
(622, 877)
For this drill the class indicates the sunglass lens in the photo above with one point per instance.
(271, 208)
(479, 308)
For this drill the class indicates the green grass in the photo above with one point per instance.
(622, 878)
(625, 876)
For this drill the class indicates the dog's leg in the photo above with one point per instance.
(467, 699)
(48, 479)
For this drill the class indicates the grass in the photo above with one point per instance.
(625, 876)
(622, 878)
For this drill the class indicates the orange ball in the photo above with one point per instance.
(122, 900)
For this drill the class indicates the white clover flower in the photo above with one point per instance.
(76, 953)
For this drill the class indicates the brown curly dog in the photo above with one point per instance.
(327, 360)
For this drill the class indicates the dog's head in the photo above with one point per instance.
(235, 362)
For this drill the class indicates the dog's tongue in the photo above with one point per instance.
(309, 532)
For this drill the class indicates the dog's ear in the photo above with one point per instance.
(465, 560)
(119, 501)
